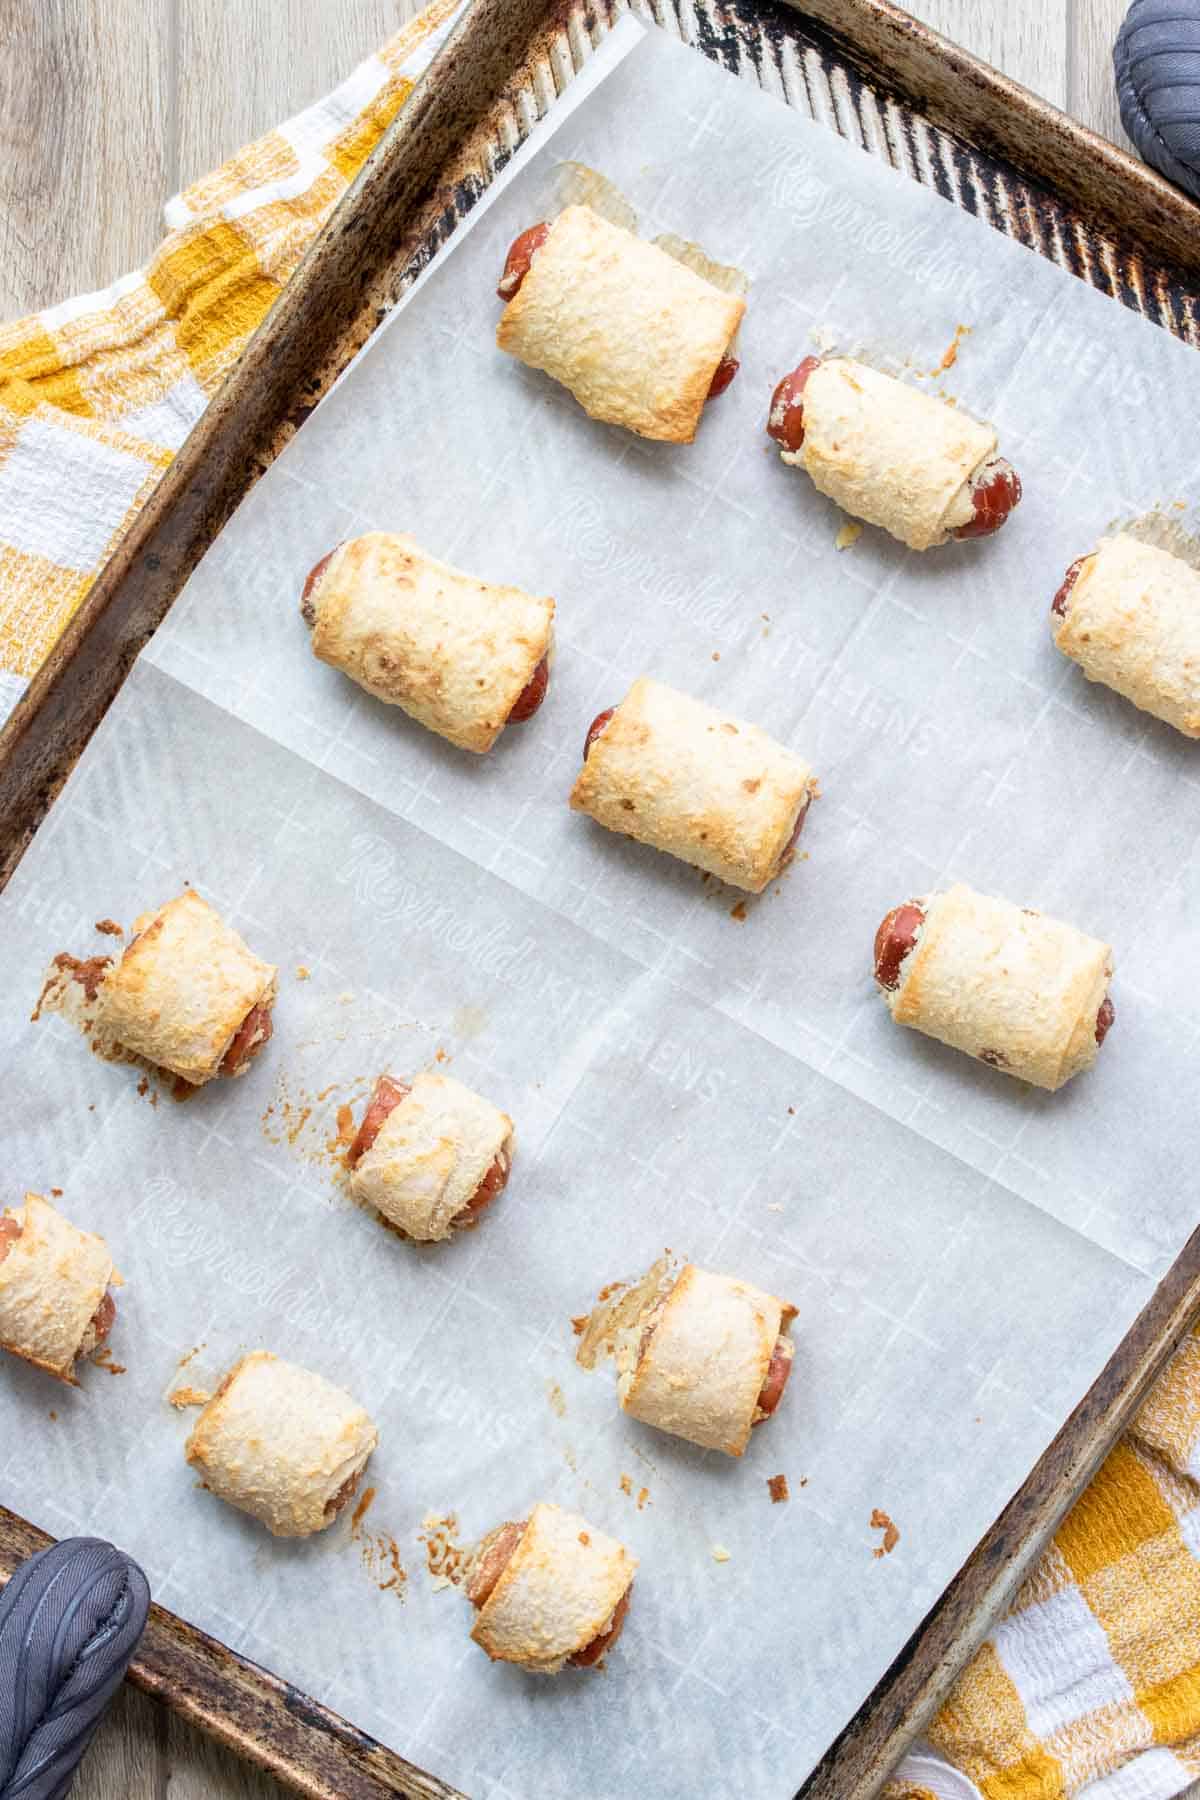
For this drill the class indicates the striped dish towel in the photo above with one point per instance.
(1091, 1683)
(98, 393)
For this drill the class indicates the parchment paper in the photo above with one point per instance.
(964, 1252)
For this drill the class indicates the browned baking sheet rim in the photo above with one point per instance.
(1077, 200)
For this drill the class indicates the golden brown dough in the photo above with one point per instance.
(183, 989)
(1008, 985)
(54, 1282)
(697, 783)
(282, 1444)
(453, 652)
(556, 1594)
(634, 335)
(1131, 619)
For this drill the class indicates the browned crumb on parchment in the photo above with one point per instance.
(183, 1397)
(110, 928)
(626, 1485)
(557, 1399)
(891, 1536)
(950, 353)
(739, 912)
(303, 972)
(103, 1359)
(643, 1498)
(445, 1558)
(777, 1486)
(378, 1551)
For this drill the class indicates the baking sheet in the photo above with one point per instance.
(965, 1253)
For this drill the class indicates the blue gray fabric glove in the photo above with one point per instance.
(70, 1620)
(1157, 62)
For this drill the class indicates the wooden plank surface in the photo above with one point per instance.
(108, 106)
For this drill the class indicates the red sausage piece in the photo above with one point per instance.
(785, 421)
(727, 368)
(1104, 1019)
(103, 1319)
(599, 1646)
(1059, 603)
(797, 828)
(531, 695)
(596, 727)
(493, 1183)
(778, 1370)
(308, 611)
(253, 1032)
(995, 490)
(893, 941)
(333, 1507)
(495, 1554)
(520, 255)
(385, 1098)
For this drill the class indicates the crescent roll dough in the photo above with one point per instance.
(694, 1362)
(453, 652)
(556, 1594)
(1132, 621)
(887, 454)
(634, 335)
(183, 989)
(1005, 984)
(430, 1155)
(52, 1280)
(710, 789)
(282, 1444)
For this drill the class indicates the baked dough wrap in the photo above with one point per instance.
(634, 335)
(1131, 620)
(282, 1444)
(52, 1279)
(705, 787)
(183, 989)
(1006, 984)
(888, 454)
(700, 1372)
(556, 1594)
(430, 1155)
(455, 653)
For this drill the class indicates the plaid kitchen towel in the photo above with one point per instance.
(1091, 1683)
(97, 393)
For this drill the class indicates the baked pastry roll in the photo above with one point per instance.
(282, 1444)
(913, 464)
(1022, 992)
(1129, 615)
(712, 790)
(639, 339)
(55, 1304)
(549, 1590)
(706, 1357)
(461, 656)
(430, 1155)
(187, 994)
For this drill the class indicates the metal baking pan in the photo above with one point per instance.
(868, 71)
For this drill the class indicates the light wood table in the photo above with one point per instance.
(109, 106)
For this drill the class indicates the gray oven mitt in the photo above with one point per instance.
(70, 1620)
(1157, 62)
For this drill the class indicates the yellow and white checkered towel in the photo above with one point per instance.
(1091, 1684)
